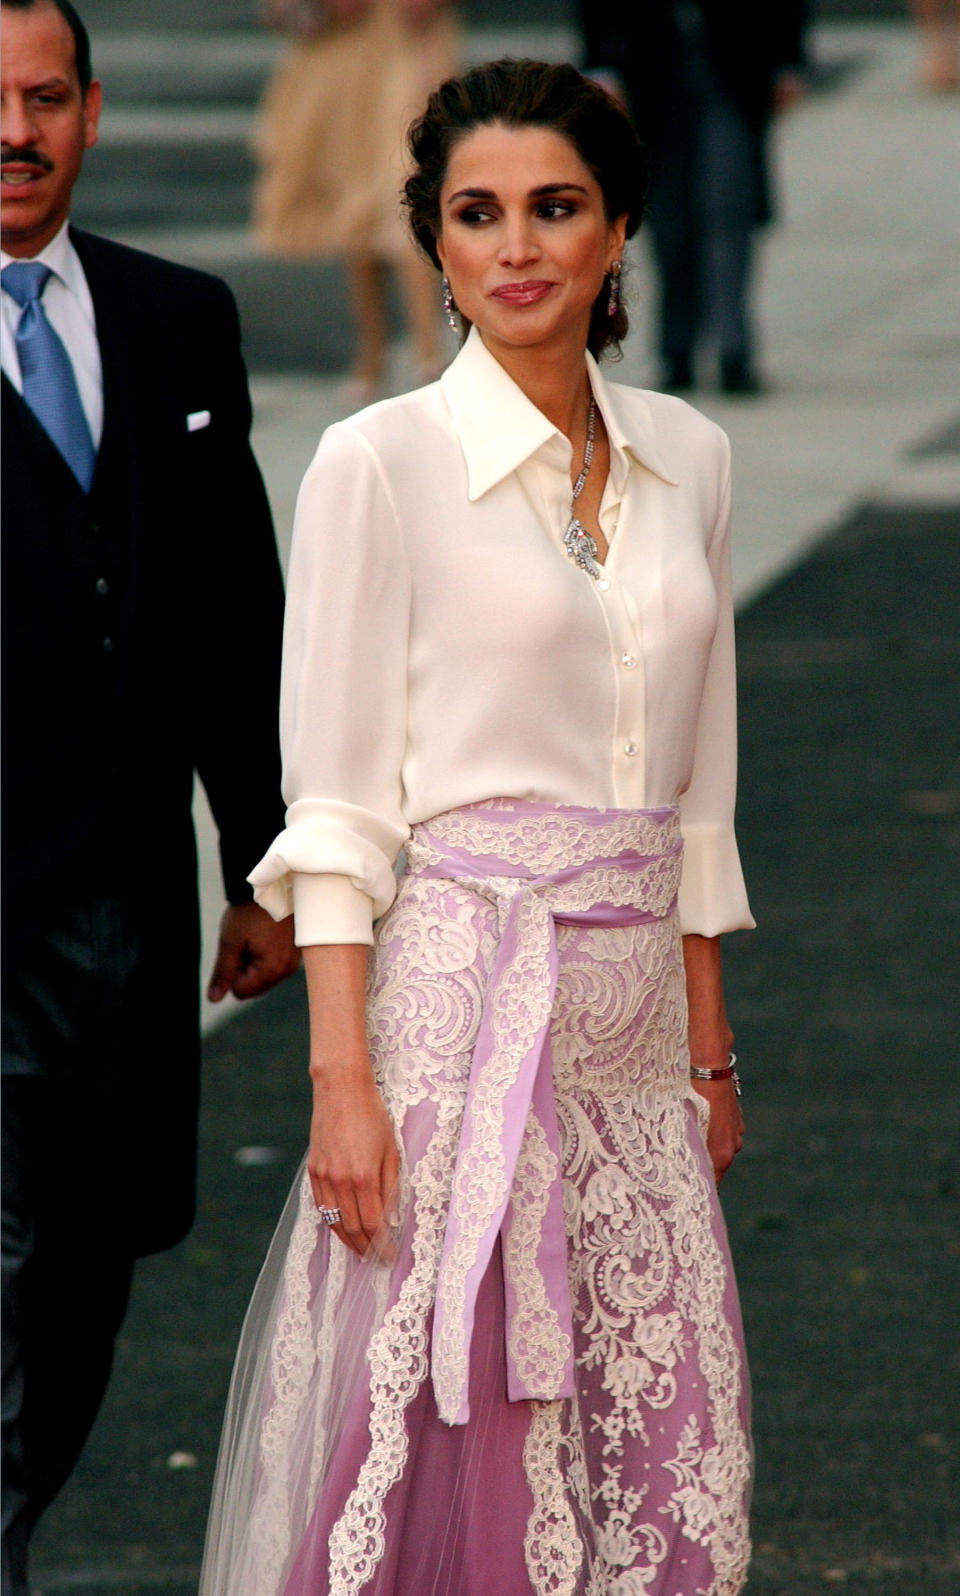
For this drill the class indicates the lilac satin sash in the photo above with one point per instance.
(542, 866)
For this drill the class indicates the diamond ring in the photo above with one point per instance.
(330, 1216)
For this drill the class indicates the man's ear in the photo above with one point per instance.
(92, 106)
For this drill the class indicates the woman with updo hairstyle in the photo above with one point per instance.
(496, 1345)
(556, 97)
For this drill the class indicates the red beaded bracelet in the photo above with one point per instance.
(728, 1073)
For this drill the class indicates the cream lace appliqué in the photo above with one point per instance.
(554, 1549)
(647, 1274)
(538, 1344)
(520, 1009)
(543, 843)
(399, 1362)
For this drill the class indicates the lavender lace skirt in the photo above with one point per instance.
(336, 1473)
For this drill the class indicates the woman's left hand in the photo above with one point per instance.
(725, 1131)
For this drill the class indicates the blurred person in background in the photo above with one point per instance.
(330, 147)
(703, 80)
(938, 22)
(141, 643)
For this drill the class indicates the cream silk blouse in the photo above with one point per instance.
(442, 648)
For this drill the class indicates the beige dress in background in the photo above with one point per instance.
(330, 139)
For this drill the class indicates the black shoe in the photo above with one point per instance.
(737, 376)
(677, 376)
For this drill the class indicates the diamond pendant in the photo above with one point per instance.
(582, 548)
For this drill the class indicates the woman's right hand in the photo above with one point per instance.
(353, 1162)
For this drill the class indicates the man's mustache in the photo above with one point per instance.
(27, 157)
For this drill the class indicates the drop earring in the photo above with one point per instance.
(613, 292)
(449, 308)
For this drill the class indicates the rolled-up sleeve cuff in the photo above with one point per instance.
(332, 869)
(330, 909)
(713, 896)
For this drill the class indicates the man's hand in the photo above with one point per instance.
(255, 952)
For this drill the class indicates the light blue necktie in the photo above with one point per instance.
(49, 383)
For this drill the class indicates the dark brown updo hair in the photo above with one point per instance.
(531, 94)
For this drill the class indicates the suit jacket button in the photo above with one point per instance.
(107, 645)
(103, 586)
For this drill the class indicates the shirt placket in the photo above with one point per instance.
(628, 744)
(628, 750)
(623, 626)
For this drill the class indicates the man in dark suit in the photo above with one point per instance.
(703, 79)
(142, 615)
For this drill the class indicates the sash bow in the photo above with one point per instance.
(620, 868)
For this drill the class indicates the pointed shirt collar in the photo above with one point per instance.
(499, 427)
(63, 261)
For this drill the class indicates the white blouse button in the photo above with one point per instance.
(628, 662)
(630, 747)
(603, 584)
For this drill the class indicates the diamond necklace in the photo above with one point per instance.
(581, 547)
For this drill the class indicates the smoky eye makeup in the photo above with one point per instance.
(553, 206)
(472, 215)
(469, 204)
(553, 209)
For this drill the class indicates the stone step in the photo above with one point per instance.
(226, 17)
(179, 111)
(128, 187)
(211, 70)
(184, 69)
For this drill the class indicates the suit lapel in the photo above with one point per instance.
(117, 443)
(35, 448)
(115, 489)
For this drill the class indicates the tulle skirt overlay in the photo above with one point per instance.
(468, 1417)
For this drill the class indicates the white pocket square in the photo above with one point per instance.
(198, 419)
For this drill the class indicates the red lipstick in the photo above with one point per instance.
(526, 293)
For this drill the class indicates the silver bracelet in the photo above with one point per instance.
(728, 1073)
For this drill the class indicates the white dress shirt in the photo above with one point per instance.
(442, 648)
(69, 308)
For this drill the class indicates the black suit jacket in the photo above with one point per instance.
(141, 644)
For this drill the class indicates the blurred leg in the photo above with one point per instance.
(728, 200)
(365, 280)
(674, 240)
(67, 1253)
(421, 295)
(17, 1249)
(79, 1288)
(938, 22)
(727, 260)
(674, 253)
(65, 1290)
(674, 223)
